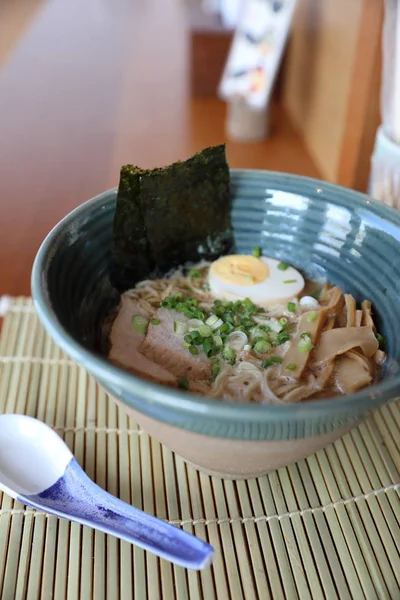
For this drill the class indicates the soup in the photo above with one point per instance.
(247, 329)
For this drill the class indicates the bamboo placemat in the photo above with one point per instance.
(327, 527)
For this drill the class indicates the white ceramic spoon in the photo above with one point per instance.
(38, 469)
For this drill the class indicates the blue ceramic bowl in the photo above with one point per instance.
(328, 232)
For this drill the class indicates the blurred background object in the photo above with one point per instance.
(332, 84)
(385, 163)
(210, 40)
(253, 62)
(88, 86)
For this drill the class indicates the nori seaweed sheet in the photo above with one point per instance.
(186, 209)
(130, 250)
(169, 216)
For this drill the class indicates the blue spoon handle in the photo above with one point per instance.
(74, 496)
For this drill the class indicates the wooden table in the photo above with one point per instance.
(86, 86)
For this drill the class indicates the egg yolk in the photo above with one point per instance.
(239, 269)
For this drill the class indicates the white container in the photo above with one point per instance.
(384, 182)
(245, 124)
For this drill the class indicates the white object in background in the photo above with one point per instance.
(396, 94)
(230, 12)
(212, 6)
(384, 183)
(256, 51)
(385, 170)
(245, 124)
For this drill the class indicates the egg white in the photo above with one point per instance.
(273, 290)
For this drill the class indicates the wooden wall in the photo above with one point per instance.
(331, 84)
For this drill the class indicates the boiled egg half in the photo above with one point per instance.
(263, 280)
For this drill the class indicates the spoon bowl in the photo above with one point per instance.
(39, 470)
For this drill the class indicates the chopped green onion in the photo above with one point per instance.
(189, 314)
(168, 302)
(281, 339)
(270, 361)
(194, 324)
(306, 335)
(291, 367)
(212, 319)
(283, 266)
(214, 322)
(262, 347)
(311, 317)
(217, 302)
(275, 325)
(247, 347)
(283, 321)
(291, 307)
(180, 327)
(180, 307)
(290, 281)
(276, 359)
(247, 323)
(139, 323)
(183, 383)
(217, 339)
(258, 338)
(208, 347)
(256, 252)
(193, 350)
(188, 339)
(248, 303)
(305, 344)
(195, 273)
(229, 355)
(237, 340)
(155, 321)
(205, 331)
(258, 333)
(187, 345)
(380, 339)
(215, 369)
(194, 334)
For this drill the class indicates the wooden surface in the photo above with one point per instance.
(329, 84)
(363, 110)
(88, 86)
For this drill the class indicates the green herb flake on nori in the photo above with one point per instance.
(173, 215)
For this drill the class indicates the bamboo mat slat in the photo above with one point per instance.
(326, 527)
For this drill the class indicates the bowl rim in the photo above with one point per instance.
(188, 402)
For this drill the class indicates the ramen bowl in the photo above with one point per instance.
(328, 232)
